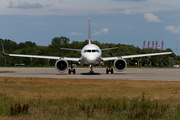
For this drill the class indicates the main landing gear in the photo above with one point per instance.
(109, 69)
(72, 70)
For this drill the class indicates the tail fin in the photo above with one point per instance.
(89, 34)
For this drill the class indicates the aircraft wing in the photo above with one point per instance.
(71, 59)
(109, 48)
(45, 57)
(34, 56)
(40, 56)
(70, 49)
(134, 56)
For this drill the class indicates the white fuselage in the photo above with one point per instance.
(91, 55)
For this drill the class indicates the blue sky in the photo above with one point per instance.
(112, 21)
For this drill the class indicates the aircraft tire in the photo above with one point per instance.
(74, 71)
(69, 71)
(107, 71)
(91, 72)
(111, 70)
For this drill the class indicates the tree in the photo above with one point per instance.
(60, 41)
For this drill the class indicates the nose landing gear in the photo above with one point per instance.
(91, 72)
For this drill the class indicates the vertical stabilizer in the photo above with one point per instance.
(89, 34)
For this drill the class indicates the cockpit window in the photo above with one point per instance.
(93, 50)
(97, 51)
(88, 50)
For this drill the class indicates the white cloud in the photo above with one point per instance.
(49, 5)
(96, 33)
(72, 7)
(173, 29)
(24, 5)
(151, 18)
(76, 34)
(126, 12)
(116, 12)
(102, 31)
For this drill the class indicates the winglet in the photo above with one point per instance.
(3, 49)
(89, 34)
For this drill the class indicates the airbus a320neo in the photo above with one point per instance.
(90, 56)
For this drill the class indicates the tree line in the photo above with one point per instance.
(54, 49)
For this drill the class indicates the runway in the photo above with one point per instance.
(155, 74)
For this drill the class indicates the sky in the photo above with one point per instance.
(128, 22)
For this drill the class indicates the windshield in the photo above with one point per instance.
(94, 50)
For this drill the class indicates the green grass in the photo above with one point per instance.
(48, 98)
(6, 71)
(93, 108)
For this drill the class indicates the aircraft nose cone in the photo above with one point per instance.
(91, 59)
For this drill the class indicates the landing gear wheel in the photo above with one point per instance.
(111, 70)
(69, 71)
(74, 71)
(91, 72)
(107, 71)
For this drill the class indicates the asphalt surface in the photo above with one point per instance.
(155, 74)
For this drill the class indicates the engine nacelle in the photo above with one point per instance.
(120, 65)
(61, 65)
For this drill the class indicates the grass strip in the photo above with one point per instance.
(43, 98)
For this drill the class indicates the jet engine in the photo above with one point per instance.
(120, 65)
(61, 65)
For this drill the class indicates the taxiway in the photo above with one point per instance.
(157, 74)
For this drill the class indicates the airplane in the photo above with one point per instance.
(90, 56)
